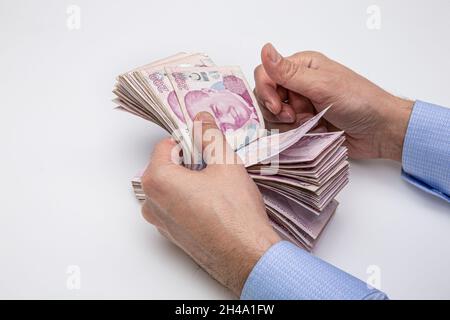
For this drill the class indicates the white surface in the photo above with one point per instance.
(67, 157)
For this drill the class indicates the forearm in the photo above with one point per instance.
(396, 113)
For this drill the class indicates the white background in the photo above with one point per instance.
(67, 158)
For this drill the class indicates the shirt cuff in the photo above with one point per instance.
(287, 272)
(426, 149)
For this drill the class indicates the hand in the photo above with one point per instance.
(292, 89)
(215, 215)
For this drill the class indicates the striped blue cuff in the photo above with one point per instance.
(426, 149)
(287, 272)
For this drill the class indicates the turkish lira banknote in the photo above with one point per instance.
(223, 92)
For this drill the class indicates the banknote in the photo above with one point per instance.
(309, 148)
(309, 154)
(299, 216)
(316, 176)
(158, 84)
(223, 92)
(162, 61)
(270, 145)
(294, 182)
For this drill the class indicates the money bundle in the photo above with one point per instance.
(298, 172)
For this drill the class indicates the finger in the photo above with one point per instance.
(166, 153)
(210, 141)
(293, 74)
(283, 93)
(300, 118)
(320, 128)
(166, 234)
(267, 114)
(150, 215)
(300, 103)
(266, 91)
(331, 127)
(287, 114)
(281, 117)
(163, 166)
(296, 104)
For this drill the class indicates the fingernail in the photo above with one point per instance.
(285, 117)
(273, 54)
(205, 117)
(269, 106)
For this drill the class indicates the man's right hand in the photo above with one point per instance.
(292, 89)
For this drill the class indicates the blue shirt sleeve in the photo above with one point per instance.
(426, 149)
(287, 272)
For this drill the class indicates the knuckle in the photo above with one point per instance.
(148, 215)
(317, 90)
(310, 59)
(159, 177)
(312, 54)
(146, 180)
(257, 71)
(147, 184)
(288, 70)
(315, 54)
(255, 93)
(145, 211)
(153, 180)
(159, 146)
(164, 177)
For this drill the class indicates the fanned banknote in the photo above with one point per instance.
(153, 94)
(298, 172)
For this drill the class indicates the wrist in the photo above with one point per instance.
(252, 255)
(395, 123)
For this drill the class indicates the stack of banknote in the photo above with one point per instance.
(298, 172)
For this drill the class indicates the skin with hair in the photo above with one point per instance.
(218, 217)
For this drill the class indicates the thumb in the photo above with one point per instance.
(293, 74)
(209, 142)
(166, 154)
